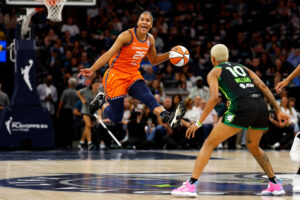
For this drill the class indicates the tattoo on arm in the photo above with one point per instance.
(258, 83)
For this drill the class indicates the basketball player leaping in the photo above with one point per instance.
(295, 150)
(123, 76)
(247, 111)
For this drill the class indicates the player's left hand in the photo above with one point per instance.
(191, 131)
(282, 117)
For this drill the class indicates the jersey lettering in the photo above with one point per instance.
(237, 71)
(139, 55)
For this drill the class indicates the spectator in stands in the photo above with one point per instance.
(295, 114)
(159, 43)
(66, 62)
(10, 22)
(163, 133)
(68, 40)
(65, 113)
(77, 119)
(289, 129)
(58, 47)
(156, 88)
(294, 57)
(197, 102)
(136, 131)
(149, 74)
(183, 83)
(192, 113)
(210, 121)
(176, 99)
(220, 108)
(48, 95)
(84, 60)
(76, 50)
(86, 95)
(70, 26)
(199, 90)
(50, 38)
(4, 100)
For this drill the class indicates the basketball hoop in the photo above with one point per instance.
(54, 8)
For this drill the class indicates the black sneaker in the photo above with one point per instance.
(91, 147)
(174, 118)
(81, 146)
(97, 102)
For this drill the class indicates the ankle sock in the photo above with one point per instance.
(192, 180)
(273, 180)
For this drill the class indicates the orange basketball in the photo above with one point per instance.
(179, 56)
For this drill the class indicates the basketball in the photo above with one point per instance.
(179, 56)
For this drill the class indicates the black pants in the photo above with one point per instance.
(66, 128)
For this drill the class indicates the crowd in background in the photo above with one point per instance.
(263, 35)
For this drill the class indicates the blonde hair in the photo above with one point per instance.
(219, 52)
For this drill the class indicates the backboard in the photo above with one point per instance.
(41, 2)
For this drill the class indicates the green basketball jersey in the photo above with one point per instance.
(235, 82)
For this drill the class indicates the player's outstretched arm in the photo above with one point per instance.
(152, 54)
(286, 81)
(123, 38)
(282, 117)
(212, 79)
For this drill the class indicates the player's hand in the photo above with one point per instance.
(280, 85)
(85, 72)
(191, 131)
(283, 118)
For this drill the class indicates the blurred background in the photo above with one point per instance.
(263, 35)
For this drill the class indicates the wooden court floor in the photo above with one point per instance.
(135, 175)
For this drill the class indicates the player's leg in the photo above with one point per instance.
(114, 110)
(295, 156)
(219, 134)
(87, 130)
(253, 137)
(141, 92)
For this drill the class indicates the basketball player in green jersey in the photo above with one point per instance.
(295, 150)
(247, 111)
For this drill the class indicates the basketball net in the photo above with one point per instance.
(54, 8)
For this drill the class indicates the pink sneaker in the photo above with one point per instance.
(274, 189)
(186, 190)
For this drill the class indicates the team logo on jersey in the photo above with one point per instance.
(229, 117)
(148, 43)
(250, 184)
(25, 72)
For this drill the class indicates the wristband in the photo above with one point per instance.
(198, 124)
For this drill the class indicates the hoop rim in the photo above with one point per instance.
(40, 3)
